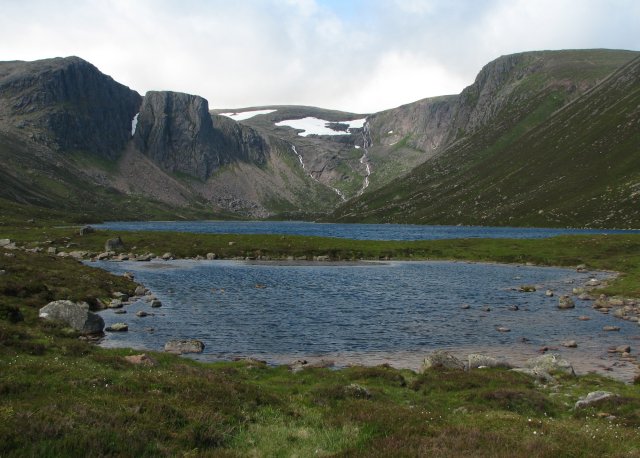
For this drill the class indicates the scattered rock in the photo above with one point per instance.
(120, 311)
(141, 313)
(113, 244)
(527, 289)
(611, 328)
(570, 344)
(616, 302)
(465, 306)
(128, 275)
(75, 315)
(5, 242)
(581, 268)
(549, 293)
(593, 398)
(565, 302)
(52, 250)
(211, 256)
(184, 346)
(502, 329)
(167, 256)
(115, 304)
(156, 303)
(577, 291)
(550, 363)
(140, 291)
(593, 282)
(117, 327)
(143, 360)
(121, 296)
(514, 308)
(536, 373)
(441, 359)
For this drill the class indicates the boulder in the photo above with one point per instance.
(52, 250)
(5, 242)
(86, 230)
(117, 327)
(503, 329)
(549, 293)
(610, 328)
(593, 282)
(570, 344)
(441, 359)
(476, 360)
(565, 302)
(115, 304)
(593, 398)
(537, 373)
(623, 349)
(550, 363)
(113, 244)
(140, 290)
(465, 306)
(156, 303)
(527, 289)
(211, 256)
(167, 256)
(184, 346)
(75, 315)
(581, 268)
(141, 313)
(122, 296)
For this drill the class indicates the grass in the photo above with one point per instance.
(60, 396)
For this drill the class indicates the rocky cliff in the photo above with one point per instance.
(177, 132)
(68, 104)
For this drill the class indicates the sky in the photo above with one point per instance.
(360, 56)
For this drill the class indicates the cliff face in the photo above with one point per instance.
(68, 104)
(177, 132)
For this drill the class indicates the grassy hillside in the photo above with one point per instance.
(559, 165)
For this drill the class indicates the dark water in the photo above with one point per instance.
(370, 307)
(351, 231)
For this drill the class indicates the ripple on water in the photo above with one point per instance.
(359, 309)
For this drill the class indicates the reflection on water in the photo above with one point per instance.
(274, 312)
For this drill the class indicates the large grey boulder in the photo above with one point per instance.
(565, 302)
(184, 346)
(550, 363)
(441, 359)
(75, 315)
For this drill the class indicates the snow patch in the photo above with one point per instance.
(242, 115)
(316, 126)
(134, 124)
(390, 132)
(357, 147)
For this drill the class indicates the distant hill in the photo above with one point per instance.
(541, 139)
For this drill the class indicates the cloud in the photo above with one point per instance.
(361, 55)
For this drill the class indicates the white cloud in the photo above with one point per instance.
(360, 56)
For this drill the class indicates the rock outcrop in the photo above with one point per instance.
(68, 104)
(184, 346)
(177, 132)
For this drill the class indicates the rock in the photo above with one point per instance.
(322, 258)
(549, 293)
(593, 398)
(232, 243)
(581, 268)
(143, 360)
(623, 349)
(465, 306)
(611, 328)
(75, 315)
(167, 256)
(86, 230)
(211, 256)
(140, 291)
(122, 296)
(144, 257)
(565, 302)
(102, 256)
(52, 250)
(441, 359)
(585, 297)
(115, 304)
(569, 344)
(156, 303)
(527, 289)
(615, 302)
(5, 242)
(141, 313)
(577, 291)
(113, 244)
(120, 311)
(513, 308)
(593, 282)
(486, 308)
(128, 275)
(476, 360)
(550, 363)
(502, 329)
(117, 327)
(184, 346)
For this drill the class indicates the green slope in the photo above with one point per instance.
(574, 166)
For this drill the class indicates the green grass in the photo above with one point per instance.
(60, 396)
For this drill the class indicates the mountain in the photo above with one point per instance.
(542, 139)
(539, 138)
